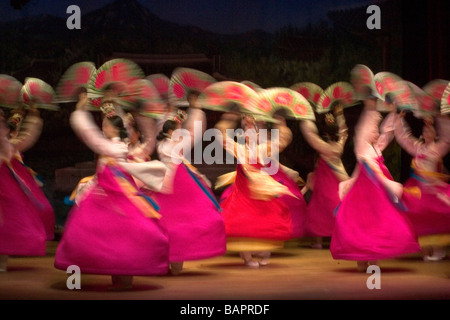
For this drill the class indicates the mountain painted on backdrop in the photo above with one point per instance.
(121, 22)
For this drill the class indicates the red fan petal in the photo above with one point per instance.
(265, 105)
(178, 90)
(46, 97)
(300, 109)
(101, 79)
(82, 75)
(120, 72)
(67, 88)
(305, 92)
(380, 87)
(390, 84)
(284, 99)
(214, 99)
(348, 98)
(190, 80)
(326, 102)
(35, 89)
(428, 103)
(161, 85)
(25, 98)
(233, 93)
(337, 92)
(316, 98)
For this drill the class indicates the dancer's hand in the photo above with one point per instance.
(82, 101)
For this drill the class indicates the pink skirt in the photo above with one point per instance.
(429, 214)
(369, 225)
(45, 209)
(278, 219)
(324, 201)
(108, 234)
(192, 217)
(22, 231)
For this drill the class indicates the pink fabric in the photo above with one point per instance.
(297, 207)
(323, 203)
(277, 219)
(46, 211)
(195, 226)
(429, 214)
(22, 231)
(107, 234)
(368, 225)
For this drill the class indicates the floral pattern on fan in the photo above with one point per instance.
(10, 89)
(400, 92)
(75, 77)
(184, 80)
(221, 96)
(41, 94)
(339, 92)
(309, 90)
(426, 104)
(141, 95)
(363, 81)
(119, 72)
(436, 88)
(271, 100)
(161, 83)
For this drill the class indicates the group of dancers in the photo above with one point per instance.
(139, 216)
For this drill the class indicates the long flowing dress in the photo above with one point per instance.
(115, 229)
(261, 211)
(430, 210)
(26, 217)
(187, 204)
(328, 173)
(370, 221)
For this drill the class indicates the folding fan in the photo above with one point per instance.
(363, 81)
(41, 93)
(119, 72)
(339, 92)
(271, 100)
(184, 80)
(398, 90)
(222, 95)
(142, 96)
(161, 83)
(252, 85)
(436, 88)
(445, 101)
(75, 77)
(309, 90)
(426, 105)
(9, 91)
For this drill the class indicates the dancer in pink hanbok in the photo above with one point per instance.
(328, 173)
(114, 229)
(261, 209)
(370, 224)
(188, 206)
(26, 217)
(30, 177)
(429, 212)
